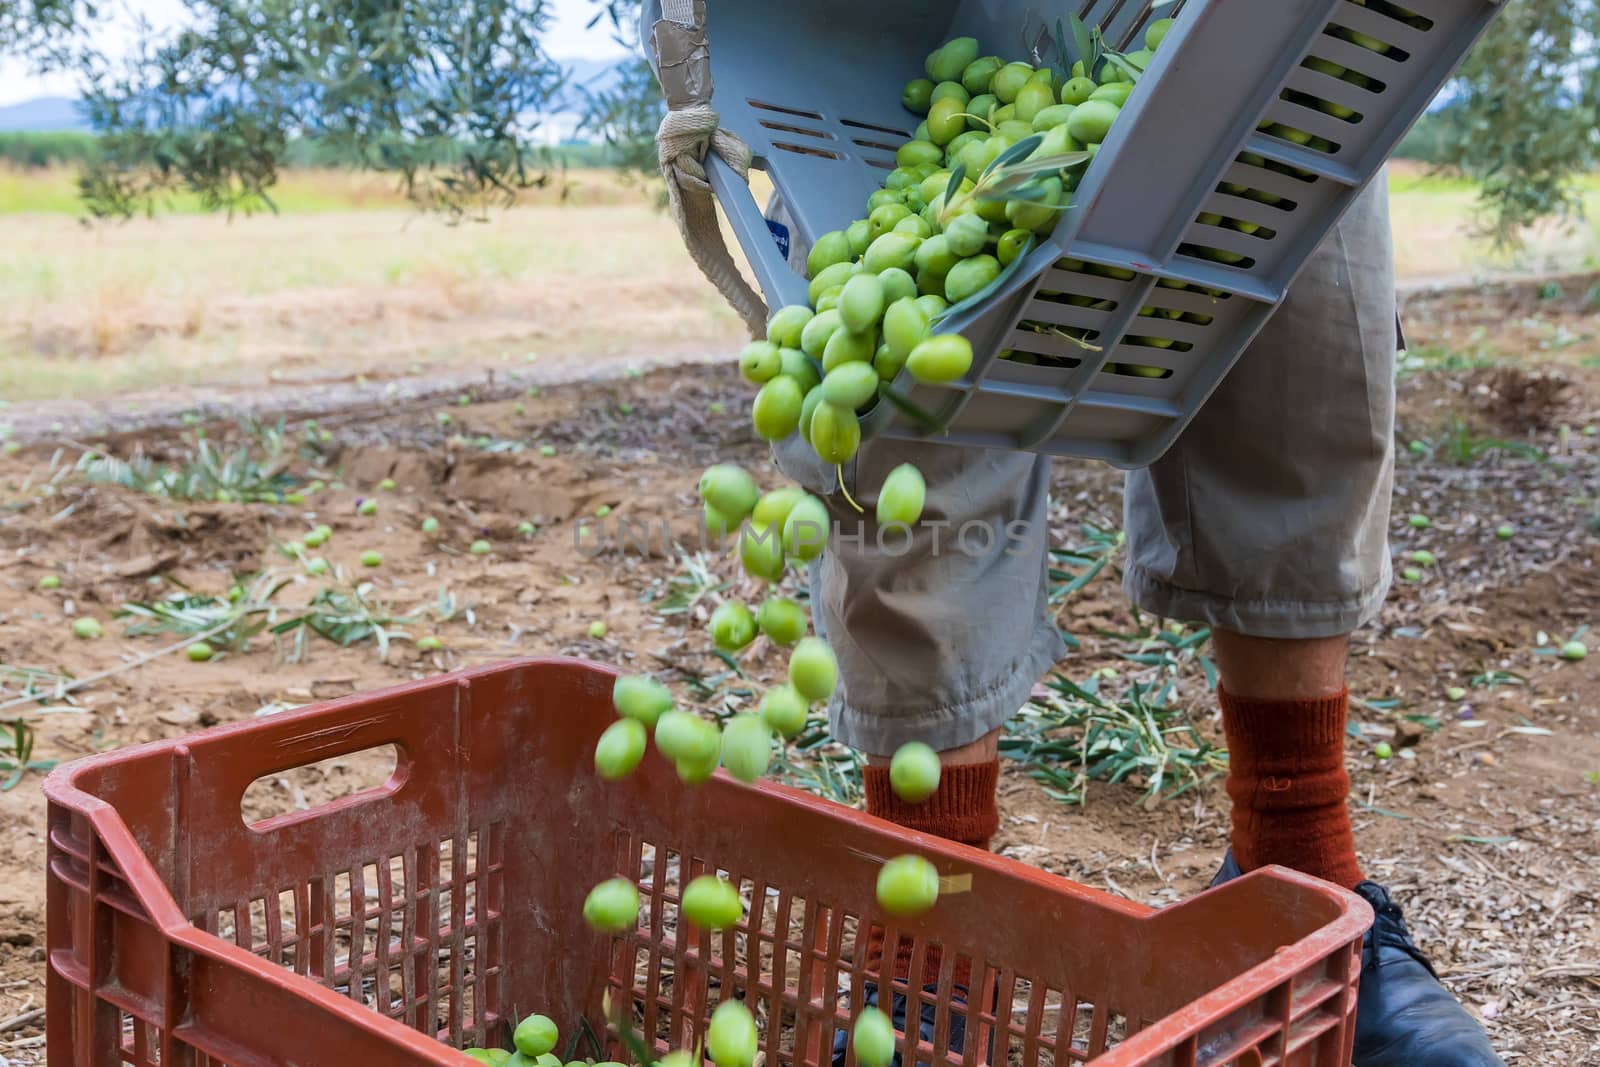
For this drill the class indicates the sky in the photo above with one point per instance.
(566, 39)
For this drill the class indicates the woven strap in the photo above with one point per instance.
(685, 136)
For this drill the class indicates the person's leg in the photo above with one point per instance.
(941, 633)
(1283, 711)
(1268, 520)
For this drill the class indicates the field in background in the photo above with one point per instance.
(350, 280)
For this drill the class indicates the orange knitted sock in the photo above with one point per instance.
(1288, 784)
(962, 809)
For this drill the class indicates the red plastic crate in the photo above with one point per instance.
(449, 900)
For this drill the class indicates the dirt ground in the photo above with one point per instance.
(1483, 823)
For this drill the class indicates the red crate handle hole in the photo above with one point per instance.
(284, 797)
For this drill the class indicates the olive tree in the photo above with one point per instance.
(1523, 112)
(443, 94)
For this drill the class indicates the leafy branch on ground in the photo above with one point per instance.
(345, 613)
(16, 754)
(241, 613)
(257, 469)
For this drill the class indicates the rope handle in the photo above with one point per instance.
(688, 131)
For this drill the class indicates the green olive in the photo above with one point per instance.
(846, 347)
(887, 363)
(808, 408)
(1011, 244)
(978, 74)
(915, 226)
(640, 697)
(860, 304)
(934, 255)
(948, 63)
(897, 284)
(1116, 93)
(682, 735)
(774, 507)
(946, 119)
(731, 1037)
(620, 749)
(1033, 98)
(949, 90)
(832, 247)
(941, 358)
(883, 219)
(710, 901)
(850, 385)
(965, 236)
(916, 96)
(776, 411)
(969, 277)
(1050, 117)
(814, 337)
(535, 1035)
(914, 153)
(885, 196)
(873, 1038)
(798, 367)
(1077, 90)
(1156, 32)
(902, 496)
(746, 753)
(932, 304)
(905, 325)
(835, 433)
(859, 234)
(759, 362)
(890, 250)
(828, 277)
(806, 527)
(1091, 121)
(732, 626)
(1009, 80)
(782, 620)
(813, 670)
(784, 709)
(717, 524)
(612, 907)
(907, 886)
(761, 553)
(914, 772)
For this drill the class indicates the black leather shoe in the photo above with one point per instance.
(958, 1023)
(1404, 1016)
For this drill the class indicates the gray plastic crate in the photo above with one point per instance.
(814, 89)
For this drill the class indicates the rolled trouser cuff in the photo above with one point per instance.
(951, 725)
(1283, 619)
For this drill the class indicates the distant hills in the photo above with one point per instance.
(42, 114)
(53, 114)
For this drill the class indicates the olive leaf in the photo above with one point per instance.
(921, 416)
(1033, 192)
(1087, 42)
(1124, 64)
(1044, 164)
(1061, 46)
(1019, 151)
(953, 189)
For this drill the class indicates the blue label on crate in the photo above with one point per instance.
(780, 234)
